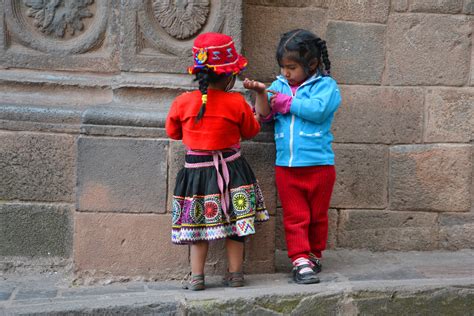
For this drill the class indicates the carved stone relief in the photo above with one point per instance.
(181, 18)
(58, 17)
(169, 26)
(159, 34)
(57, 26)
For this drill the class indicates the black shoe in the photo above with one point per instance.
(309, 277)
(318, 266)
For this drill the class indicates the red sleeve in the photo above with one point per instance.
(249, 126)
(173, 123)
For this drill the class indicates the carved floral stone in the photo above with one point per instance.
(181, 18)
(55, 17)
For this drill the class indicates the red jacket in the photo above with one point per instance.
(227, 119)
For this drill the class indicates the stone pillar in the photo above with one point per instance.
(87, 170)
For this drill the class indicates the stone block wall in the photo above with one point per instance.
(86, 169)
(404, 131)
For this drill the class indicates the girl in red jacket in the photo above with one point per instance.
(216, 194)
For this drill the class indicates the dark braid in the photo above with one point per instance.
(324, 55)
(305, 48)
(203, 78)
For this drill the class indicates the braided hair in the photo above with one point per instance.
(305, 48)
(204, 77)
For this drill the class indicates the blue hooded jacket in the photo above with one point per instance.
(303, 136)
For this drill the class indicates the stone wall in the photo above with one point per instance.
(86, 169)
(404, 132)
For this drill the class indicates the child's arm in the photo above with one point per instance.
(262, 108)
(173, 123)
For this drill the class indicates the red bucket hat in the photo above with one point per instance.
(216, 51)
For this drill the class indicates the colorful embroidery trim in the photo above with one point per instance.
(201, 56)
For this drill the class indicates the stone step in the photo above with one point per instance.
(352, 283)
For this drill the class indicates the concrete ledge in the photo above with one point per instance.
(352, 283)
(116, 115)
(113, 119)
(39, 118)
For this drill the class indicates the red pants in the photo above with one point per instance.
(305, 193)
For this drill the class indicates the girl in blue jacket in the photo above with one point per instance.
(302, 101)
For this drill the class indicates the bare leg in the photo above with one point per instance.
(235, 254)
(198, 256)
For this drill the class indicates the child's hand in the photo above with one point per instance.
(280, 103)
(254, 85)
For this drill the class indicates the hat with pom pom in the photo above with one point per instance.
(216, 51)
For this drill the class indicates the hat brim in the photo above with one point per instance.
(229, 69)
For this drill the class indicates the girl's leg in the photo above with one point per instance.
(235, 254)
(323, 179)
(198, 257)
(296, 211)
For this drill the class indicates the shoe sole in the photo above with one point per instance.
(197, 288)
(310, 281)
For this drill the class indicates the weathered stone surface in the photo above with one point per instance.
(128, 245)
(146, 98)
(379, 115)
(37, 167)
(472, 63)
(468, 7)
(133, 120)
(415, 58)
(122, 175)
(387, 230)
(456, 231)
(362, 178)
(29, 294)
(290, 3)
(450, 115)
(177, 152)
(123, 116)
(123, 131)
(399, 5)
(441, 301)
(260, 47)
(280, 242)
(21, 117)
(430, 177)
(43, 100)
(333, 216)
(35, 230)
(261, 158)
(357, 51)
(260, 248)
(436, 6)
(375, 11)
(216, 260)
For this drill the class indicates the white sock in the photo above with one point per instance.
(300, 261)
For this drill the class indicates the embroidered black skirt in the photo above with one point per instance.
(216, 196)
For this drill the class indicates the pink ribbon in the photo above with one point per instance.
(222, 179)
